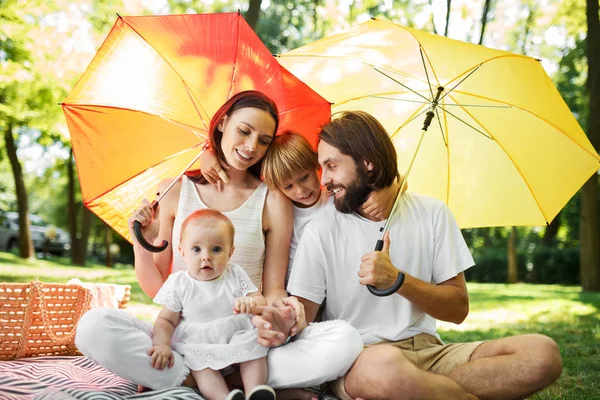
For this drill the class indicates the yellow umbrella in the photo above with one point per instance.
(502, 149)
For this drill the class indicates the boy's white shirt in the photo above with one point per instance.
(302, 216)
(425, 243)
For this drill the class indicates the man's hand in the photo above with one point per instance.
(162, 356)
(245, 305)
(376, 268)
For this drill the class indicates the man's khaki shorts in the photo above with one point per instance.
(426, 352)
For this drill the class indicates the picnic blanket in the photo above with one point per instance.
(72, 377)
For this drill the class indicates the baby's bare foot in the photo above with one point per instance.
(281, 318)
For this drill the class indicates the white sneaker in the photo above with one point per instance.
(261, 392)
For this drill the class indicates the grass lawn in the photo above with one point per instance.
(570, 317)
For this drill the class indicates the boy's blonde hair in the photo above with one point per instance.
(289, 154)
(208, 214)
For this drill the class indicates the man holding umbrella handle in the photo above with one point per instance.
(404, 356)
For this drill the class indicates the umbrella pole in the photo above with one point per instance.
(137, 225)
(379, 245)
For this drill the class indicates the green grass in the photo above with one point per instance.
(570, 317)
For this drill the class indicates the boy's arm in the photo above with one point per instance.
(310, 309)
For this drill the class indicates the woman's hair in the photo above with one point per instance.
(289, 154)
(245, 99)
(206, 214)
(361, 136)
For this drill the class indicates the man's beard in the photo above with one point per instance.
(356, 193)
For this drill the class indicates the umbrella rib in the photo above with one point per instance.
(425, 69)
(235, 58)
(531, 113)
(421, 47)
(455, 86)
(150, 167)
(401, 84)
(377, 95)
(487, 61)
(466, 123)
(391, 98)
(448, 168)
(415, 115)
(187, 89)
(512, 161)
(354, 58)
(441, 129)
(182, 125)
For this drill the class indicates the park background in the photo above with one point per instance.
(527, 279)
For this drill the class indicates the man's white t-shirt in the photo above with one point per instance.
(425, 243)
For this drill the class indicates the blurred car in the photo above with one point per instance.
(46, 238)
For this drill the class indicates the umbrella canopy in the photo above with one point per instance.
(503, 148)
(142, 108)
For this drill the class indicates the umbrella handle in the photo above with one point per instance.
(395, 286)
(137, 229)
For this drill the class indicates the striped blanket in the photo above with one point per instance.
(67, 378)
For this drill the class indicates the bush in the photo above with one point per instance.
(546, 265)
(491, 266)
(556, 265)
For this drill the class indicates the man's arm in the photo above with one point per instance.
(446, 301)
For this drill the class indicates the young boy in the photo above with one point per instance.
(292, 166)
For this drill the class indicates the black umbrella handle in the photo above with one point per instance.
(395, 286)
(137, 229)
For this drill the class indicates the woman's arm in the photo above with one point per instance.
(152, 269)
(278, 222)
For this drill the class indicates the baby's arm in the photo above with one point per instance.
(253, 303)
(164, 326)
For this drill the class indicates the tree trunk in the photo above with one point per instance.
(85, 231)
(432, 17)
(253, 13)
(107, 243)
(449, 3)
(529, 23)
(551, 232)
(589, 235)
(513, 276)
(484, 19)
(76, 256)
(25, 242)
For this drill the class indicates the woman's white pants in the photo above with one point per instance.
(119, 342)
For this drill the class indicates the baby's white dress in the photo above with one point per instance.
(209, 335)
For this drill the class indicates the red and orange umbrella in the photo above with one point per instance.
(141, 110)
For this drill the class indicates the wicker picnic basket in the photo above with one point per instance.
(39, 319)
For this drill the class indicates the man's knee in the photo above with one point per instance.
(385, 373)
(547, 360)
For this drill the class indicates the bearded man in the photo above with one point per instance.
(404, 357)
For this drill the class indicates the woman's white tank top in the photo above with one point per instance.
(249, 239)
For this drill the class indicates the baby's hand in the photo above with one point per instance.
(245, 305)
(162, 356)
